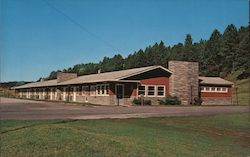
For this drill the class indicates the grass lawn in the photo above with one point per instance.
(222, 135)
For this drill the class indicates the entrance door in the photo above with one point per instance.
(120, 94)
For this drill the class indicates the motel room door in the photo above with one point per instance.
(120, 94)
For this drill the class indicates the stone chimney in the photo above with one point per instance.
(184, 81)
(61, 76)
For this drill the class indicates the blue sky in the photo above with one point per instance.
(36, 39)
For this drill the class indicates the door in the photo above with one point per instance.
(120, 94)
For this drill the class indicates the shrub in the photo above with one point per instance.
(170, 100)
(147, 102)
(197, 101)
(138, 102)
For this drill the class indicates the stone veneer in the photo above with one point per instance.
(217, 101)
(184, 81)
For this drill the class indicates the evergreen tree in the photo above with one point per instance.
(242, 53)
(188, 49)
(229, 48)
(212, 58)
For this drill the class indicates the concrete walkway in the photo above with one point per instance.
(28, 109)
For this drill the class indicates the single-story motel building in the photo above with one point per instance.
(181, 79)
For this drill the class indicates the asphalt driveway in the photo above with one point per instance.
(28, 109)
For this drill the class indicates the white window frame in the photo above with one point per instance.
(209, 89)
(155, 90)
(226, 89)
(164, 91)
(151, 91)
(145, 90)
(218, 88)
(103, 90)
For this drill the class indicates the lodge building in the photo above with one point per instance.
(181, 79)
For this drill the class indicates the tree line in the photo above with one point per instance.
(221, 55)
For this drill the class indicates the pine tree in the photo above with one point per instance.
(188, 51)
(212, 58)
(229, 48)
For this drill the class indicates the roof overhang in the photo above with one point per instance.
(143, 71)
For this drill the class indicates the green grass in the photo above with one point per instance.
(243, 92)
(222, 135)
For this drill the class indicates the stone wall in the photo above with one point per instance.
(101, 100)
(217, 101)
(184, 81)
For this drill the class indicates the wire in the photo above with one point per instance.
(80, 25)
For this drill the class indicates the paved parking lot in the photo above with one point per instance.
(28, 109)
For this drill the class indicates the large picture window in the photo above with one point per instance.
(151, 90)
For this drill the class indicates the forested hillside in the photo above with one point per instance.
(223, 54)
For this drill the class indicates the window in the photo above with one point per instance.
(107, 89)
(102, 89)
(151, 90)
(141, 90)
(85, 89)
(92, 90)
(161, 91)
(71, 89)
(98, 89)
(214, 89)
(77, 90)
(224, 89)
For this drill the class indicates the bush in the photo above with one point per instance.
(197, 101)
(138, 102)
(170, 100)
(147, 102)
